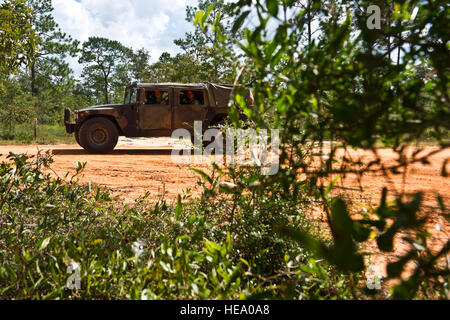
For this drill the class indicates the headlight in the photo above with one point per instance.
(79, 115)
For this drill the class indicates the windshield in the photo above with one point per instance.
(127, 96)
(130, 95)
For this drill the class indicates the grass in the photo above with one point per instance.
(47, 134)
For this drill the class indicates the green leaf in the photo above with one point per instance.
(344, 253)
(233, 114)
(166, 267)
(218, 168)
(44, 243)
(303, 238)
(272, 7)
(359, 232)
(198, 17)
(383, 211)
(407, 289)
(239, 21)
(206, 15)
(340, 221)
(307, 269)
(234, 275)
(277, 57)
(178, 208)
(202, 174)
(394, 269)
(386, 240)
(330, 185)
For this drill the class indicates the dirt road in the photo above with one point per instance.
(145, 164)
(134, 167)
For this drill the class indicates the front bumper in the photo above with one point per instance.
(70, 127)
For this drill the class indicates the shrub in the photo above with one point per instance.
(54, 230)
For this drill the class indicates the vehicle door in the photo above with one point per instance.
(189, 105)
(156, 109)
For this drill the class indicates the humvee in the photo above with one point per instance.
(149, 110)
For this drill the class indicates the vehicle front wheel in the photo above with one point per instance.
(98, 135)
(77, 137)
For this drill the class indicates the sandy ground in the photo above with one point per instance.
(145, 164)
(133, 168)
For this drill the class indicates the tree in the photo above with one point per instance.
(16, 106)
(139, 63)
(48, 76)
(342, 91)
(201, 45)
(54, 46)
(17, 38)
(103, 58)
(180, 68)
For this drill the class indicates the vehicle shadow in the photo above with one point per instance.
(118, 152)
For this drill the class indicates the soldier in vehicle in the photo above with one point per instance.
(160, 98)
(156, 97)
(190, 98)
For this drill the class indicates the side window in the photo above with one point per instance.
(127, 96)
(192, 97)
(133, 94)
(156, 97)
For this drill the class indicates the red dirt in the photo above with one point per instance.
(426, 178)
(129, 171)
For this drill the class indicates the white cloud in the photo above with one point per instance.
(152, 24)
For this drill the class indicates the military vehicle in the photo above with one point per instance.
(149, 110)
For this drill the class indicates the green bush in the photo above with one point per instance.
(47, 134)
(155, 251)
(342, 89)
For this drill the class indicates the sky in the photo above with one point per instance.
(152, 24)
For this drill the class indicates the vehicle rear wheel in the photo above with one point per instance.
(205, 143)
(98, 135)
(218, 126)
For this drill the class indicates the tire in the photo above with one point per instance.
(77, 138)
(98, 135)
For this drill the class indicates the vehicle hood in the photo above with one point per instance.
(102, 107)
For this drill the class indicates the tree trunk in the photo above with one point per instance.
(106, 91)
(33, 79)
